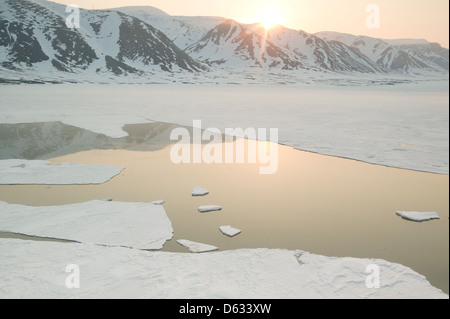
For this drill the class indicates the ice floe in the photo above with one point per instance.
(196, 247)
(23, 172)
(230, 231)
(418, 216)
(137, 225)
(209, 208)
(31, 269)
(199, 191)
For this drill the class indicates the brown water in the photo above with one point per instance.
(321, 204)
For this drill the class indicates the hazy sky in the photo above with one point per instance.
(419, 19)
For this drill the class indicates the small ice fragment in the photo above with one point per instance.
(418, 216)
(230, 231)
(210, 208)
(196, 247)
(158, 202)
(198, 191)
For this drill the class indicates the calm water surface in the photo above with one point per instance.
(321, 204)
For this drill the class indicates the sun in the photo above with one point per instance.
(269, 18)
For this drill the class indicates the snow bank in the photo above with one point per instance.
(137, 225)
(196, 247)
(31, 269)
(418, 216)
(20, 172)
(229, 231)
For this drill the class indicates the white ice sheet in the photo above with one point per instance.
(137, 225)
(38, 270)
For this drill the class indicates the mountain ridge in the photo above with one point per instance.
(145, 42)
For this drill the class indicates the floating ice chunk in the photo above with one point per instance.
(196, 247)
(230, 231)
(31, 269)
(159, 202)
(23, 172)
(198, 191)
(210, 208)
(107, 199)
(418, 216)
(137, 225)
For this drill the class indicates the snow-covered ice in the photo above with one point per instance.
(137, 225)
(199, 191)
(196, 247)
(418, 216)
(402, 126)
(209, 208)
(23, 172)
(31, 269)
(230, 231)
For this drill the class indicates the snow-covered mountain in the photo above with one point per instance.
(34, 35)
(231, 44)
(428, 52)
(331, 56)
(147, 43)
(397, 56)
(183, 31)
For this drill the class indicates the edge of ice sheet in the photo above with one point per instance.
(209, 208)
(137, 225)
(199, 191)
(33, 269)
(196, 247)
(230, 231)
(25, 172)
(418, 216)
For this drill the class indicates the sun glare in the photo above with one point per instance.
(269, 18)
